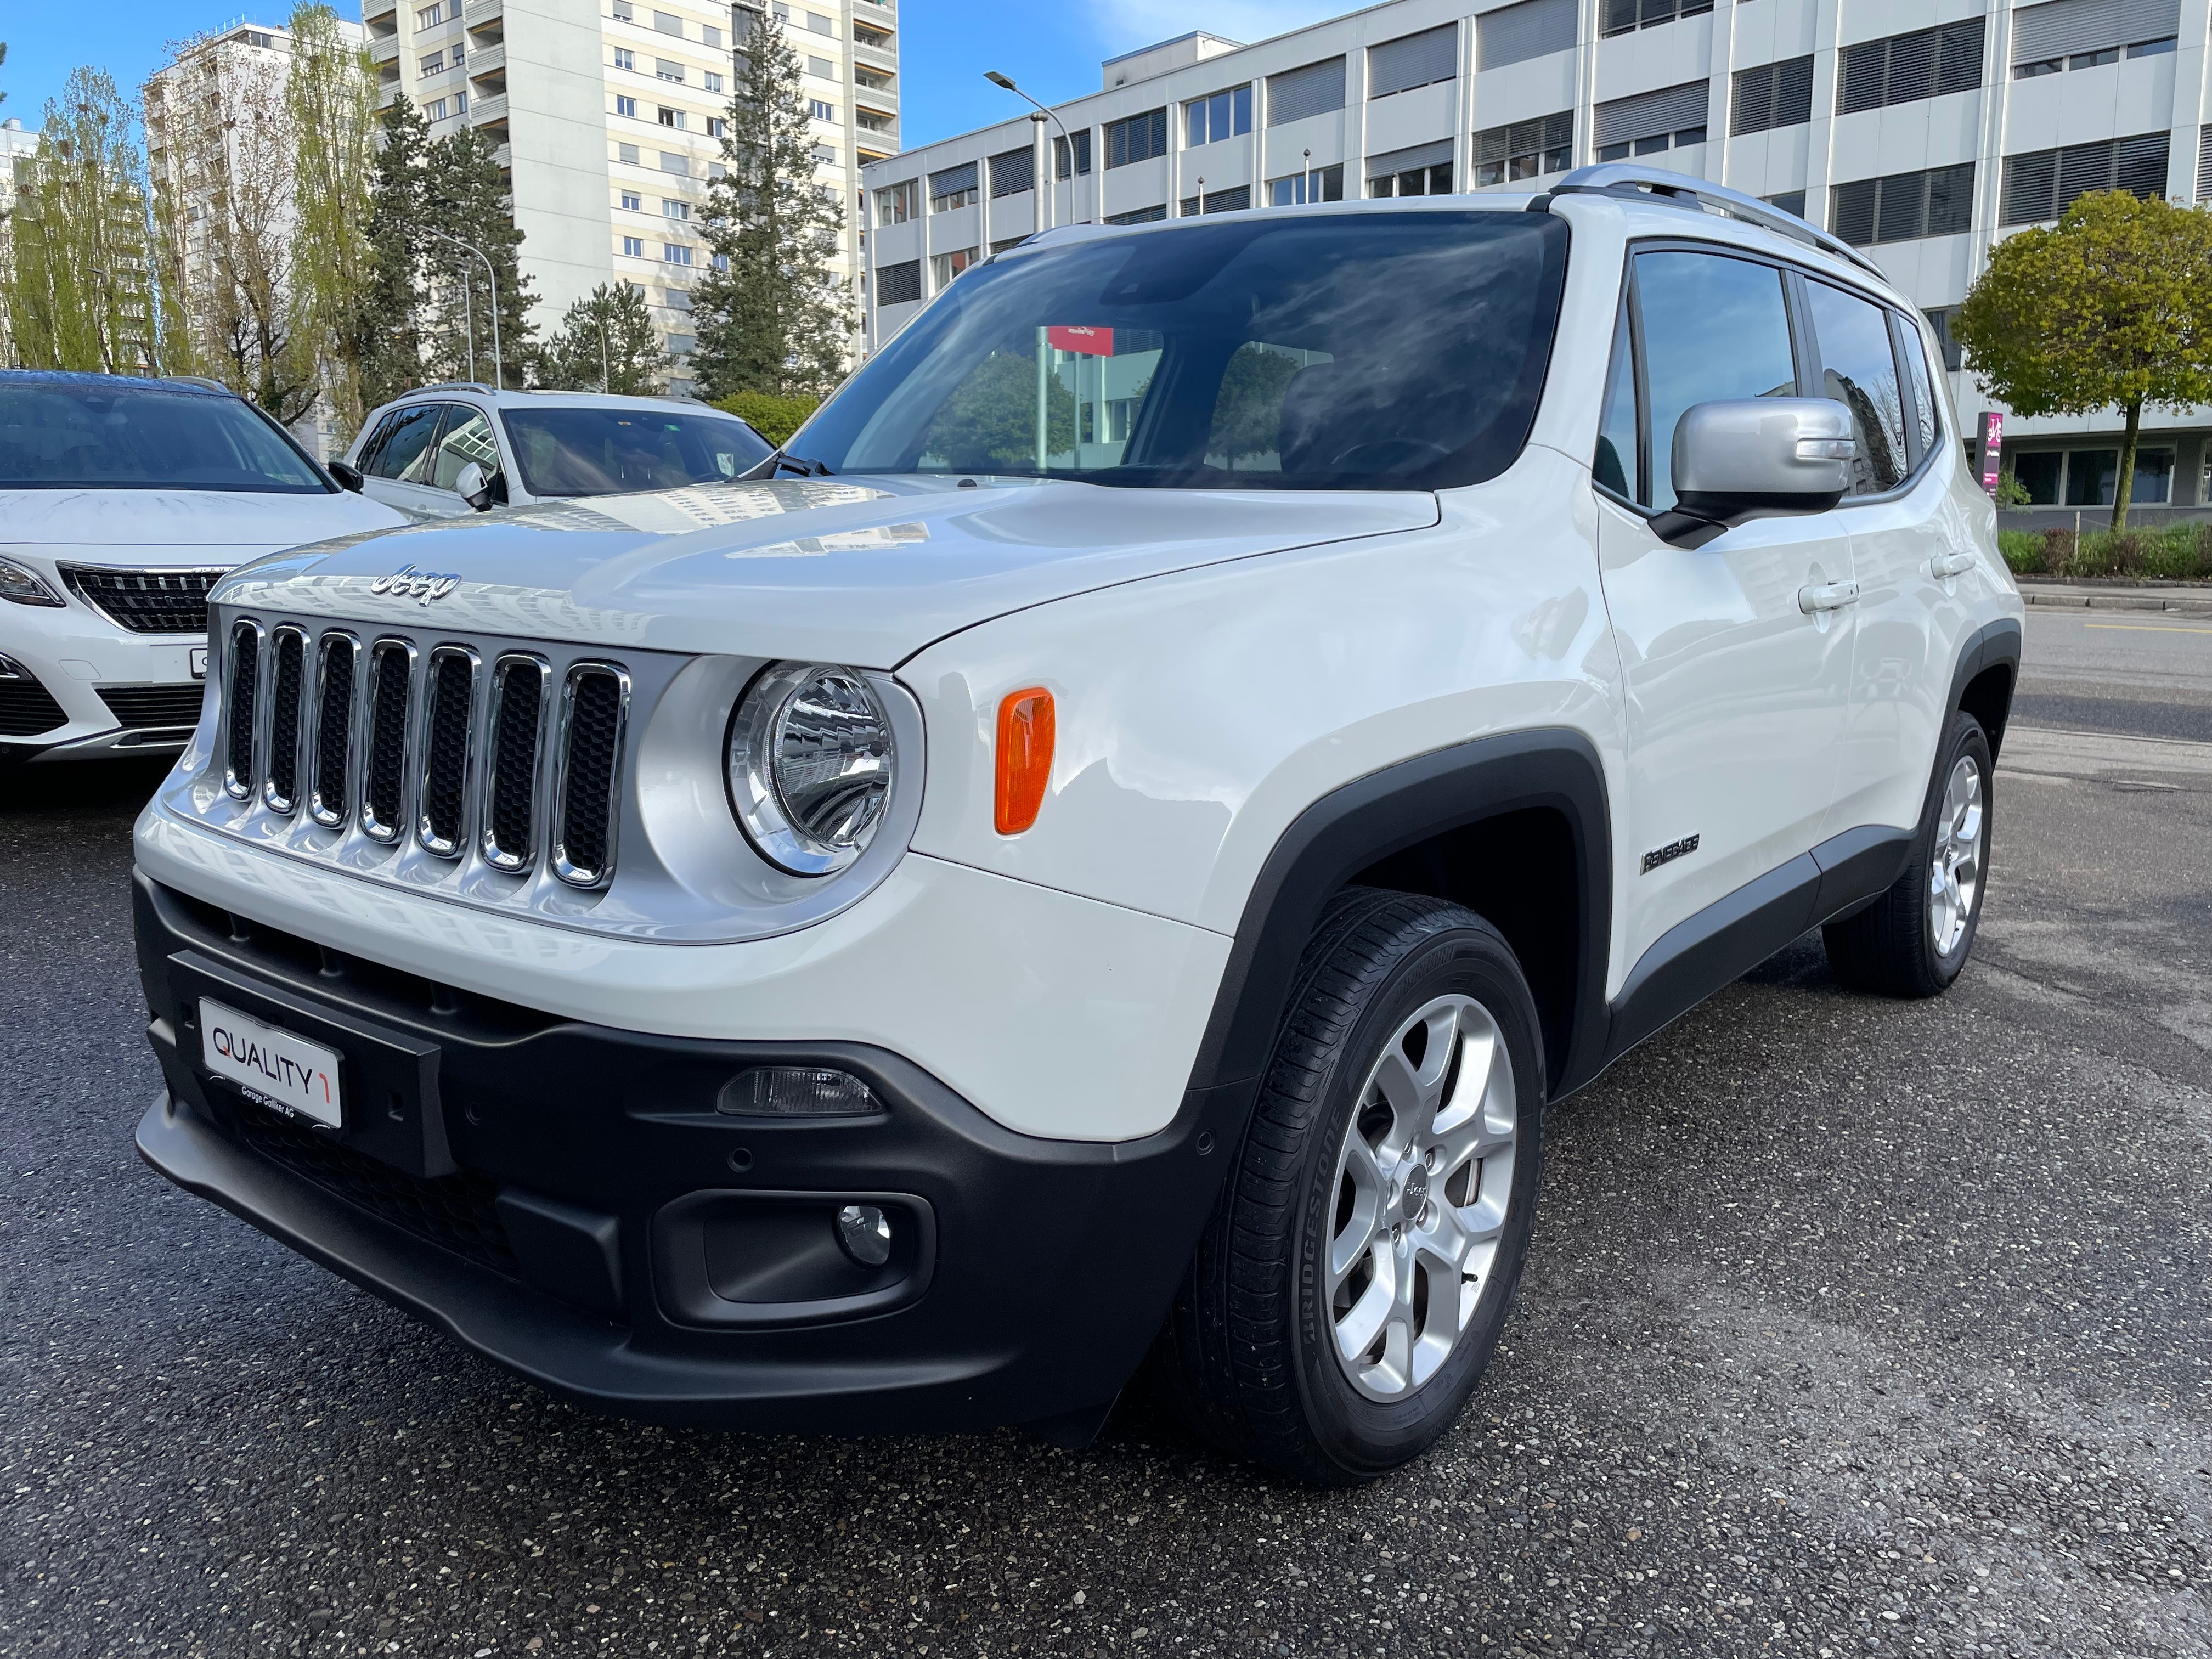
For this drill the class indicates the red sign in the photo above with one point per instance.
(1089, 342)
(1992, 448)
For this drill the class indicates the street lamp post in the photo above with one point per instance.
(498, 367)
(1044, 179)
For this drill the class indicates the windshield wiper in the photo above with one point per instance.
(779, 462)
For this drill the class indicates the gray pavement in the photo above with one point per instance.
(1853, 1327)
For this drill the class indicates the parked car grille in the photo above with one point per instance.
(414, 741)
(145, 601)
(138, 707)
(26, 708)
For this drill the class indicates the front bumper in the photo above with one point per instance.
(74, 654)
(578, 1211)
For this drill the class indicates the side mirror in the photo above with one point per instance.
(348, 474)
(1755, 457)
(474, 488)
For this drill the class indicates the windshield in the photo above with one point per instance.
(1334, 351)
(127, 435)
(610, 451)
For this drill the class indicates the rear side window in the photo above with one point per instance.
(1858, 369)
(1713, 328)
(1926, 426)
(400, 440)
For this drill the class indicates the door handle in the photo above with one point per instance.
(1950, 564)
(1828, 596)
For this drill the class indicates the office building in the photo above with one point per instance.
(1920, 129)
(608, 116)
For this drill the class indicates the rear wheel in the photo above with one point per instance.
(1349, 1289)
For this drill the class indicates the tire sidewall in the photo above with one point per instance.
(1967, 737)
(1356, 1434)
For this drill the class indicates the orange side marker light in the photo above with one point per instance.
(1026, 732)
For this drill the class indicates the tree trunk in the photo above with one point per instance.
(2124, 485)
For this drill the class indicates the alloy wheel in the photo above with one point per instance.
(1954, 870)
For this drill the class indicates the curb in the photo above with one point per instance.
(2189, 607)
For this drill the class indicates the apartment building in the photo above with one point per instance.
(1919, 130)
(608, 116)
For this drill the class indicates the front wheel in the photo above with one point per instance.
(1350, 1290)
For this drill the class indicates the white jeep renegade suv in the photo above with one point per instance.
(1221, 723)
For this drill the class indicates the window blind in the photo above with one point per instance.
(2044, 184)
(1903, 206)
(1649, 114)
(899, 285)
(952, 180)
(1925, 63)
(1772, 95)
(2060, 26)
(1296, 94)
(2204, 164)
(1413, 60)
(1434, 153)
(1138, 138)
(1013, 172)
(1514, 35)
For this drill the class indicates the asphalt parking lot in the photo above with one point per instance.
(1853, 1327)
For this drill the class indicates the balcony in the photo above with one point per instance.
(488, 111)
(503, 158)
(882, 126)
(481, 12)
(371, 10)
(882, 100)
(487, 61)
(384, 51)
(883, 57)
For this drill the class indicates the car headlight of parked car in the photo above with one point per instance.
(811, 766)
(24, 586)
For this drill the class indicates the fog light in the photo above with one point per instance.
(865, 1233)
(795, 1091)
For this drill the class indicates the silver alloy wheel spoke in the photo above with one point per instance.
(1954, 869)
(1424, 1179)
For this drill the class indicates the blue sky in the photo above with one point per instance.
(946, 45)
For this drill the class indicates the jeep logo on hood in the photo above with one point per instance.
(409, 583)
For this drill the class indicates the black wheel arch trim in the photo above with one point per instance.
(1997, 645)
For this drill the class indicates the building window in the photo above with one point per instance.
(2052, 48)
(861, 33)
(434, 110)
(673, 208)
(899, 285)
(952, 188)
(2044, 183)
(1673, 117)
(716, 170)
(626, 153)
(1014, 171)
(720, 262)
(819, 24)
(435, 64)
(1790, 201)
(625, 59)
(668, 23)
(429, 17)
(899, 204)
(675, 162)
(869, 121)
(1940, 319)
(1525, 149)
(632, 202)
(943, 267)
(2089, 478)
(622, 10)
(1320, 185)
(460, 103)
(676, 254)
(822, 69)
(1622, 15)
(1519, 33)
(633, 247)
(820, 110)
(625, 105)
(1080, 144)
(713, 79)
(709, 35)
(1413, 60)
(665, 70)
(716, 126)
(1772, 95)
(1006, 242)
(1221, 115)
(1139, 215)
(1311, 89)
(1904, 67)
(671, 117)
(1425, 171)
(1233, 200)
(1904, 206)
(1138, 138)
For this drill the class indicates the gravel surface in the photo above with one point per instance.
(1852, 1328)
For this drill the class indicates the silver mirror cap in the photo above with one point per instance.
(1765, 448)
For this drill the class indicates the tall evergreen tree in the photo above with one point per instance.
(607, 342)
(771, 317)
(466, 198)
(384, 333)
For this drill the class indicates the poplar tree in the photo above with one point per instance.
(771, 316)
(330, 97)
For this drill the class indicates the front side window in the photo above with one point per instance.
(1313, 352)
(1713, 328)
(126, 435)
(1858, 369)
(606, 451)
(468, 438)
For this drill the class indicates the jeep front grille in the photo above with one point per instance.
(400, 739)
(145, 601)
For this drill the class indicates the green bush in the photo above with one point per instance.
(2022, 550)
(775, 418)
(2179, 552)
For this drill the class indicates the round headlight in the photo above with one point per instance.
(811, 766)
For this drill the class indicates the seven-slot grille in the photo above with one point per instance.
(146, 601)
(399, 738)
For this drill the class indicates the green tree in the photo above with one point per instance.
(606, 343)
(2110, 307)
(989, 424)
(330, 97)
(78, 292)
(384, 332)
(466, 198)
(771, 317)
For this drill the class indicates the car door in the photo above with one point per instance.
(402, 473)
(1912, 554)
(1735, 691)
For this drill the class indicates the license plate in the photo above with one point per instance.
(199, 662)
(272, 1067)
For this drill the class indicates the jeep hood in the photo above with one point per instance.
(859, 570)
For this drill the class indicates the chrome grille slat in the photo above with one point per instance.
(241, 709)
(280, 787)
(518, 684)
(588, 754)
(449, 696)
(384, 747)
(337, 658)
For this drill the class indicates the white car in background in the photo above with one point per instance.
(122, 502)
(443, 450)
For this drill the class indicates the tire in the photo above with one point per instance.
(1913, 940)
(1250, 1355)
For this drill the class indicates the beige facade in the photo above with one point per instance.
(608, 116)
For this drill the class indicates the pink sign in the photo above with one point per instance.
(1090, 341)
(1992, 448)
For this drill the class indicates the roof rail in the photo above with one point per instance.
(449, 385)
(1701, 196)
